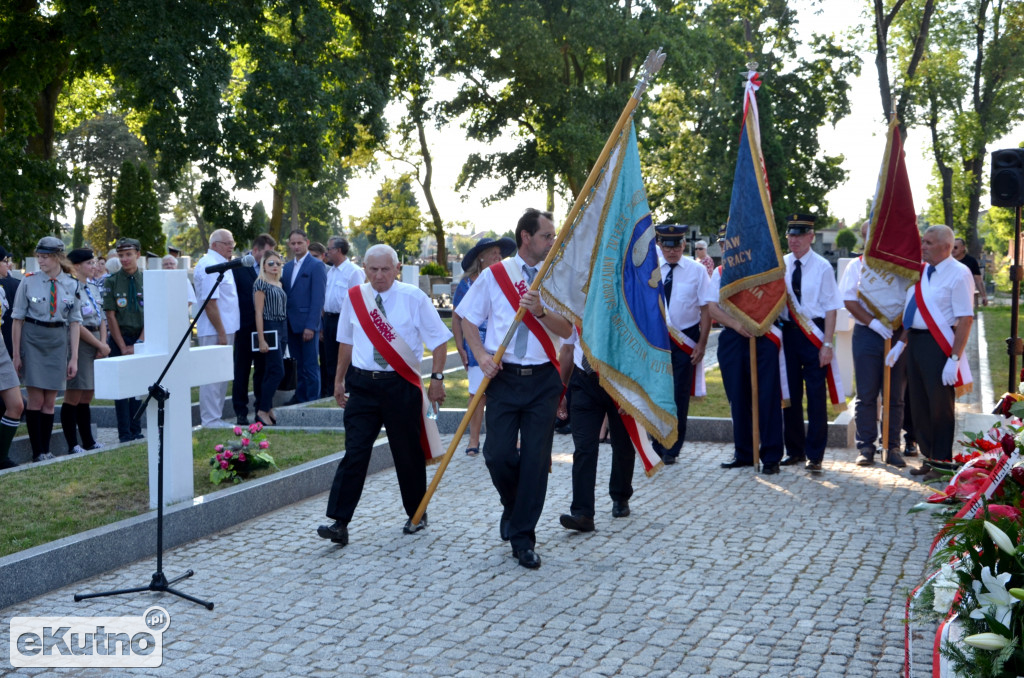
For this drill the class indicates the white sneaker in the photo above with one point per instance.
(43, 457)
(96, 446)
(77, 449)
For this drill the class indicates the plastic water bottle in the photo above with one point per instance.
(432, 411)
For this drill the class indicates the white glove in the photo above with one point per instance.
(949, 372)
(880, 329)
(895, 354)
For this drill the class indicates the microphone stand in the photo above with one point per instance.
(160, 394)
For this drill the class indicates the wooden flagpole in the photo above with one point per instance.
(755, 405)
(886, 386)
(651, 66)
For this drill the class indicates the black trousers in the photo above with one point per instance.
(590, 404)
(329, 354)
(521, 406)
(395, 404)
(802, 368)
(933, 406)
(125, 409)
(734, 358)
(682, 383)
(246, 359)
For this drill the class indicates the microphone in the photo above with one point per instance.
(247, 260)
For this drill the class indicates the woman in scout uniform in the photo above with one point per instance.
(10, 394)
(75, 415)
(46, 307)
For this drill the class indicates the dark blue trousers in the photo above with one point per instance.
(125, 409)
(869, 370)
(802, 368)
(307, 367)
(734, 359)
(682, 383)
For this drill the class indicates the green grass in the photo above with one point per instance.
(41, 504)
(997, 329)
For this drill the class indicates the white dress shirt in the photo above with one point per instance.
(408, 310)
(226, 295)
(340, 279)
(690, 285)
(949, 293)
(295, 269)
(819, 292)
(486, 302)
(849, 285)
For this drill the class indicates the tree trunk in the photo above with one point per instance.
(977, 168)
(437, 225)
(79, 196)
(945, 171)
(294, 191)
(277, 212)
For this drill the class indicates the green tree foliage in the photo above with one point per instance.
(394, 218)
(136, 210)
(258, 219)
(846, 239)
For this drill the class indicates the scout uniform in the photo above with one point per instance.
(122, 294)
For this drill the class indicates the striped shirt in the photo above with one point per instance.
(275, 302)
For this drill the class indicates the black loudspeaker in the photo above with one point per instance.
(1008, 177)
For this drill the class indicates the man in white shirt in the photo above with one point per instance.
(219, 321)
(932, 370)
(375, 394)
(341, 275)
(814, 295)
(686, 283)
(525, 386)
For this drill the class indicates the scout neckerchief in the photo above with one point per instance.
(400, 356)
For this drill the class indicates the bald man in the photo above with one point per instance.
(219, 321)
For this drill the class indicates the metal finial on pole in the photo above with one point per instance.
(653, 63)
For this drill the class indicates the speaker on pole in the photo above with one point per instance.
(1008, 177)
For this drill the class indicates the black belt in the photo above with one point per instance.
(45, 324)
(376, 374)
(914, 330)
(328, 314)
(820, 322)
(525, 370)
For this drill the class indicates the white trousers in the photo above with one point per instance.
(211, 396)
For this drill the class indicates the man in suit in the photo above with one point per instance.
(245, 358)
(305, 282)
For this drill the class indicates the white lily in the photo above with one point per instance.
(988, 641)
(997, 601)
(1000, 538)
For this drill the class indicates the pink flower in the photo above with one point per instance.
(245, 442)
(259, 426)
(241, 457)
(1002, 511)
(228, 454)
(217, 457)
(224, 465)
(264, 444)
(218, 448)
(238, 430)
(254, 427)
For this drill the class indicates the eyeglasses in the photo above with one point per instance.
(223, 242)
(272, 263)
(699, 248)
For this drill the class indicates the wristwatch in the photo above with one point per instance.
(954, 358)
(827, 344)
(437, 375)
(543, 312)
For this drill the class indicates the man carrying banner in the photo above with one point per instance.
(686, 283)
(808, 325)
(381, 331)
(589, 405)
(869, 335)
(526, 386)
(937, 321)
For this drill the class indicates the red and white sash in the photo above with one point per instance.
(943, 336)
(510, 279)
(698, 386)
(775, 336)
(642, 444)
(399, 356)
(817, 338)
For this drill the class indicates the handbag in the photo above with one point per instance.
(289, 380)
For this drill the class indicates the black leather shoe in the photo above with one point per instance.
(7, 463)
(813, 466)
(791, 460)
(527, 558)
(410, 529)
(503, 528)
(564, 429)
(669, 459)
(338, 533)
(242, 420)
(736, 463)
(578, 523)
(770, 469)
(620, 509)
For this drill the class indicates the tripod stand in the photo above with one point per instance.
(159, 393)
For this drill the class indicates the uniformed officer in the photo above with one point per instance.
(75, 415)
(10, 394)
(686, 284)
(814, 296)
(589, 405)
(47, 315)
(123, 302)
(525, 387)
(374, 393)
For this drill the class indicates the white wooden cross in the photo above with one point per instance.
(166, 319)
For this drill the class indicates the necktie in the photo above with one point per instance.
(53, 297)
(133, 297)
(908, 315)
(523, 333)
(797, 280)
(668, 283)
(377, 357)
